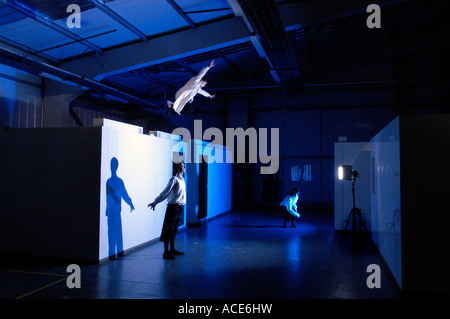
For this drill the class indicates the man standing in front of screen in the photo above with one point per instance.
(175, 192)
(189, 90)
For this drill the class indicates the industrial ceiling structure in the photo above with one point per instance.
(268, 44)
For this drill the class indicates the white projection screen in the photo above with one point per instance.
(143, 163)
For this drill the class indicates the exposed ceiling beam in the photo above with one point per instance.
(267, 21)
(48, 23)
(207, 10)
(149, 77)
(100, 4)
(186, 66)
(231, 64)
(28, 50)
(238, 12)
(72, 42)
(16, 79)
(163, 49)
(182, 13)
(11, 58)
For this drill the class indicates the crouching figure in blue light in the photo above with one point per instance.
(289, 207)
(189, 91)
(175, 192)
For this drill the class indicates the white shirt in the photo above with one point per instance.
(290, 202)
(189, 90)
(175, 191)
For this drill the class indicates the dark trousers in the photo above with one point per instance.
(171, 221)
(287, 215)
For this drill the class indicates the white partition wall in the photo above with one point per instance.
(143, 165)
(410, 177)
(68, 192)
(385, 196)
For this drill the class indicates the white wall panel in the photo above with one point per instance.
(145, 166)
(385, 196)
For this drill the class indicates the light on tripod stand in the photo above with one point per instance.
(345, 172)
(340, 172)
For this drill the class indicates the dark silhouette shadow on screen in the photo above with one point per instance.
(115, 192)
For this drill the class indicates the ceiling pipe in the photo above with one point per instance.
(267, 22)
(238, 12)
(182, 13)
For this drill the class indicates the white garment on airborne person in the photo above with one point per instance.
(188, 91)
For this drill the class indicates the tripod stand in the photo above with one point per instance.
(355, 212)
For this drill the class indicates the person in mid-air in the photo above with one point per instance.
(189, 90)
(289, 207)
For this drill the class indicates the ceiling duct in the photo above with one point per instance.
(266, 21)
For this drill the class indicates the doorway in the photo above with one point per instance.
(203, 188)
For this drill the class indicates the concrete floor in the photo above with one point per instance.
(242, 254)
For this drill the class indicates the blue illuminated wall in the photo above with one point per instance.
(7, 96)
(218, 188)
(20, 98)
